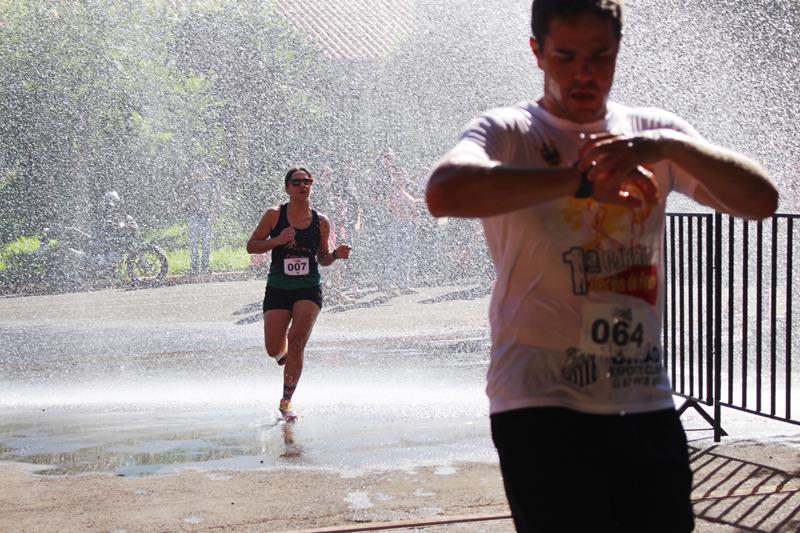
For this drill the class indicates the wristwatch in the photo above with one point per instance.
(586, 187)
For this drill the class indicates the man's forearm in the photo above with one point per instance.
(478, 190)
(735, 183)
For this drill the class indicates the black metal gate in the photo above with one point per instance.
(731, 286)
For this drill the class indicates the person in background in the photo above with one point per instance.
(571, 190)
(109, 236)
(203, 202)
(402, 208)
(298, 238)
(338, 205)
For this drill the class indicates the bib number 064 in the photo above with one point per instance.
(620, 332)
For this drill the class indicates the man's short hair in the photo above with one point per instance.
(543, 11)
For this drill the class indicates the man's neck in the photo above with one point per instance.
(552, 107)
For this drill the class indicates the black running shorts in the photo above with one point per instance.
(570, 471)
(275, 298)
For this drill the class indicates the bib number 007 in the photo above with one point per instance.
(296, 266)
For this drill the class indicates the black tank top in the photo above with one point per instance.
(295, 267)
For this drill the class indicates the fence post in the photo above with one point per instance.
(717, 318)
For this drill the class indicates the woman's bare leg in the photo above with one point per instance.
(276, 325)
(304, 315)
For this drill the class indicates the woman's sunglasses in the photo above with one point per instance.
(304, 181)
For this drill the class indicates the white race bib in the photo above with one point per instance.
(619, 331)
(296, 266)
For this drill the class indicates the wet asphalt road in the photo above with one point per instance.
(146, 381)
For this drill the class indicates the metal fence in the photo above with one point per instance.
(731, 287)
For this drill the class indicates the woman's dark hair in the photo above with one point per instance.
(292, 171)
(543, 11)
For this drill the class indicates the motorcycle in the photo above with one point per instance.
(71, 257)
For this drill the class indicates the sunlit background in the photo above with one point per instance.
(138, 96)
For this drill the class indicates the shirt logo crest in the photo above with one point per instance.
(550, 153)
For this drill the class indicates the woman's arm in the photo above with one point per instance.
(324, 256)
(260, 241)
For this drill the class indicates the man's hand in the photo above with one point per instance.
(615, 163)
(636, 188)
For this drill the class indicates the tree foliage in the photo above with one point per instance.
(131, 96)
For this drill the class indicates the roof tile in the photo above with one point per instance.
(352, 29)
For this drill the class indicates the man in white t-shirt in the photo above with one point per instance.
(571, 191)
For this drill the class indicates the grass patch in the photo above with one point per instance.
(178, 261)
(18, 260)
(225, 233)
(172, 237)
(228, 232)
(224, 259)
(229, 259)
(22, 246)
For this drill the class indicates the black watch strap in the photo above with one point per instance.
(586, 187)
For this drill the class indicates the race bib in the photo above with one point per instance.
(296, 266)
(624, 332)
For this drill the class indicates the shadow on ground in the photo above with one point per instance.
(744, 494)
(339, 302)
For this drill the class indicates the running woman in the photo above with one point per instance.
(298, 238)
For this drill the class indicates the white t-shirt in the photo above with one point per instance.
(576, 308)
